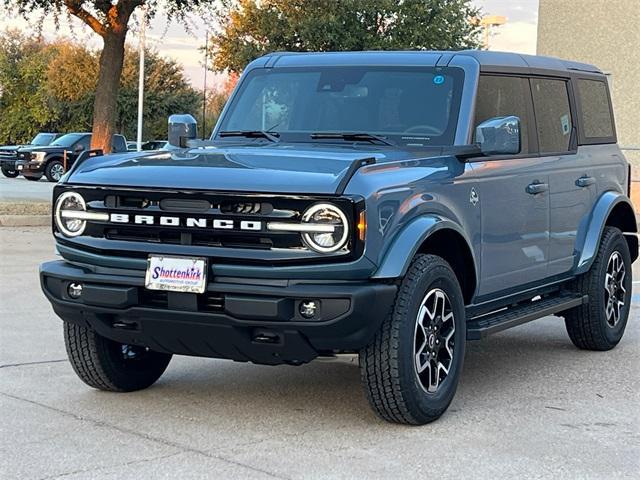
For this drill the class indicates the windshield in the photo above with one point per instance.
(67, 140)
(408, 105)
(42, 139)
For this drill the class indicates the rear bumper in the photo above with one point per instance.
(252, 320)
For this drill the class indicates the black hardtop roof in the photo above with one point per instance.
(488, 60)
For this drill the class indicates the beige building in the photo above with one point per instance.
(605, 33)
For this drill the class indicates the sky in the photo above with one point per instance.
(517, 35)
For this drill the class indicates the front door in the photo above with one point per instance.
(512, 194)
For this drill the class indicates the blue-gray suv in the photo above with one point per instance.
(389, 204)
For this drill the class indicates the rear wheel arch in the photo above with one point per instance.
(623, 218)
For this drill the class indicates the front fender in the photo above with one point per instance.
(589, 235)
(406, 243)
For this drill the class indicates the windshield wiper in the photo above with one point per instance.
(353, 136)
(271, 136)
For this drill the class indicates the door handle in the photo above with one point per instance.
(585, 181)
(537, 187)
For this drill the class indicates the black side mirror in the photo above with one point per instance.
(78, 149)
(499, 136)
(182, 127)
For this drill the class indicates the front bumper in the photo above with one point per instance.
(253, 320)
(29, 167)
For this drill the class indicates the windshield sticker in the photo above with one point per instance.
(438, 79)
(565, 124)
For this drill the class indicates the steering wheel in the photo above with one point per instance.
(428, 129)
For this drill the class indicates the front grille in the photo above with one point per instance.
(198, 219)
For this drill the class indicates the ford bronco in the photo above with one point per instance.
(389, 204)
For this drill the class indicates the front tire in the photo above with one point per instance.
(9, 173)
(111, 366)
(600, 324)
(54, 171)
(411, 368)
(33, 179)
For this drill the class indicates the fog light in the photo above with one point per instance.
(308, 308)
(74, 290)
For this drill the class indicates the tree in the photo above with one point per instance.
(41, 89)
(24, 103)
(254, 28)
(110, 20)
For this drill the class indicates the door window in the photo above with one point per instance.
(553, 114)
(504, 96)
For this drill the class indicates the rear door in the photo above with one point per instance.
(572, 181)
(512, 193)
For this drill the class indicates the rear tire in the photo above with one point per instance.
(600, 324)
(111, 366)
(9, 173)
(412, 366)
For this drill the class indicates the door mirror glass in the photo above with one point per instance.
(182, 128)
(499, 136)
(78, 148)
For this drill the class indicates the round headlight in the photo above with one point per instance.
(325, 214)
(66, 204)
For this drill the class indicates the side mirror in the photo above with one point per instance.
(182, 127)
(499, 136)
(78, 149)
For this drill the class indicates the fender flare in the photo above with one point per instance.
(589, 236)
(407, 242)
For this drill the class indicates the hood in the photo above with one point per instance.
(10, 148)
(42, 148)
(280, 168)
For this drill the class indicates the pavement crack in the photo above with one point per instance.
(23, 364)
(144, 436)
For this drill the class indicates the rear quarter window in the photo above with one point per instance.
(595, 111)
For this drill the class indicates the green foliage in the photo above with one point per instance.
(24, 103)
(254, 28)
(52, 87)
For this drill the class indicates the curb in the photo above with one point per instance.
(25, 220)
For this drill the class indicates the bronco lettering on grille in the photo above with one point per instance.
(189, 222)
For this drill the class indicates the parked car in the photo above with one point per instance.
(54, 160)
(8, 153)
(150, 145)
(389, 204)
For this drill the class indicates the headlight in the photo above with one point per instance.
(38, 156)
(325, 214)
(67, 221)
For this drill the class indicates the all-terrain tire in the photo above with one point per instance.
(9, 173)
(107, 365)
(389, 365)
(588, 325)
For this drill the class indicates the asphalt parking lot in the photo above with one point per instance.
(529, 405)
(20, 190)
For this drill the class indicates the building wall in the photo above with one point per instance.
(605, 33)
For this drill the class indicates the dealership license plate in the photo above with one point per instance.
(176, 274)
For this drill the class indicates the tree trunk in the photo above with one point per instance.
(105, 107)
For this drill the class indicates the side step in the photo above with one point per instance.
(478, 328)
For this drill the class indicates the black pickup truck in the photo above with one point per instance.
(54, 159)
(9, 153)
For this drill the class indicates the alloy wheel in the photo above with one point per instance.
(614, 291)
(434, 340)
(57, 171)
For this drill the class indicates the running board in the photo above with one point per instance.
(478, 328)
